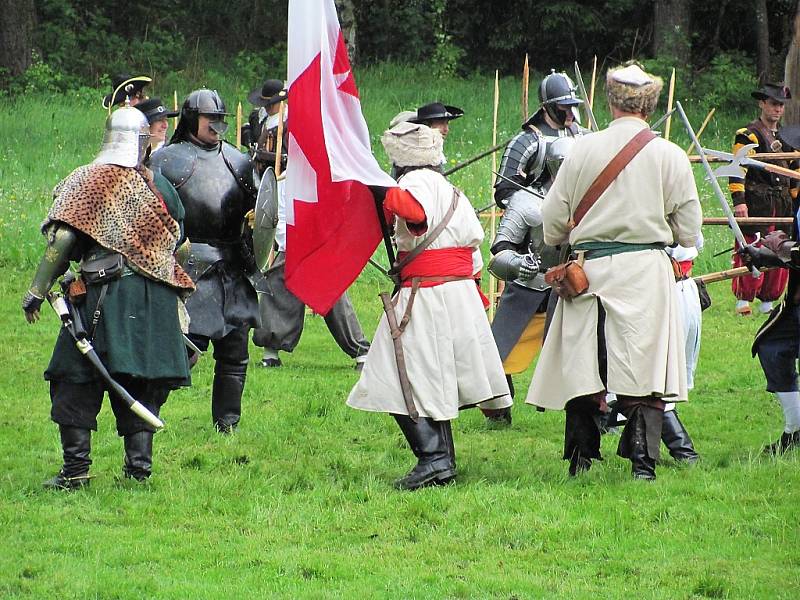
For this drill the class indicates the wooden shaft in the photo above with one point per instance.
(762, 156)
(239, 125)
(748, 220)
(493, 214)
(525, 87)
(728, 274)
(279, 141)
(175, 107)
(702, 128)
(669, 104)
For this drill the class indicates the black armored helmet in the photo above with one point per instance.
(557, 88)
(201, 102)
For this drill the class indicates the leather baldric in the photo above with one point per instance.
(610, 173)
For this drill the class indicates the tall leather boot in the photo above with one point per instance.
(226, 395)
(677, 440)
(581, 434)
(500, 417)
(76, 444)
(138, 455)
(641, 439)
(431, 443)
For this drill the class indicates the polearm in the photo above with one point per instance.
(749, 220)
(671, 95)
(493, 215)
(477, 157)
(763, 156)
(68, 319)
(582, 89)
(702, 128)
(727, 274)
(737, 232)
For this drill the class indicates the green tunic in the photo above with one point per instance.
(138, 333)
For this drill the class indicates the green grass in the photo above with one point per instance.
(299, 502)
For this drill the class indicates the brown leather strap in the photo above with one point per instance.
(414, 253)
(610, 172)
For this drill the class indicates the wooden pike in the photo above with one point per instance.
(728, 274)
(669, 104)
(594, 80)
(493, 214)
(702, 128)
(174, 107)
(279, 141)
(762, 156)
(525, 87)
(239, 125)
(748, 220)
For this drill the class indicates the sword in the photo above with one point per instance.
(666, 116)
(587, 106)
(518, 185)
(71, 322)
(737, 232)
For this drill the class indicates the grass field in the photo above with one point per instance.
(298, 503)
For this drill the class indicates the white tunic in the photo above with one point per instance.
(653, 200)
(451, 357)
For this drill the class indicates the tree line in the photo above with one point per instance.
(81, 41)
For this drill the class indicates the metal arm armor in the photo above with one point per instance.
(61, 241)
(523, 162)
(509, 266)
(523, 214)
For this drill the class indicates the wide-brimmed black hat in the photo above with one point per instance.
(124, 85)
(435, 111)
(776, 91)
(155, 110)
(272, 92)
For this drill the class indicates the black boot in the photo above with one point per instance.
(581, 434)
(431, 443)
(497, 417)
(787, 441)
(138, 455)
(226, 395)
(677, 440)
(641, 439)
(76, 444)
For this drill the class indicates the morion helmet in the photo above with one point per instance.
(557, 88)
(201, 102)
(126, 139)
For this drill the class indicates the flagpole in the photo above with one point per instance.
(493, 214)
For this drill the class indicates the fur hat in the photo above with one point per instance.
(630, 89)
(413, 145)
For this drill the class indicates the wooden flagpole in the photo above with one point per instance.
(669, 104)
(493, 217)
(702, 129)
(174, 107)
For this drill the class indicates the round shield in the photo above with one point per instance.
(266, 218)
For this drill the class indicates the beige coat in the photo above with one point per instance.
(450, 353)
(653, 200)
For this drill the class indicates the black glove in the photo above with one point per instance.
(379, 192)
(31, 305)
(759, 256)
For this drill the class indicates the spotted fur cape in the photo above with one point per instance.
(116, 207)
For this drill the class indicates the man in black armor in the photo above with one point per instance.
(520, 257)
(215, 183)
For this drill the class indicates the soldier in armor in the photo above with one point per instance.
(126, 296)
(215, 183)
(260, 133)
(520, 257)
(126, 90)
(761, 194)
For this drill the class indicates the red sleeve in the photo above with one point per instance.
(401, 203)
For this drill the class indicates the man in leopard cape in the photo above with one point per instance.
(114, 211)
(450, 354)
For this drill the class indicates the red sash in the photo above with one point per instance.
(444, 262)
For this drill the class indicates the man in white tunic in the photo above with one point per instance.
(450, 356)
(625, 334)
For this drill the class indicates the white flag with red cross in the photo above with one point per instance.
(332, 225)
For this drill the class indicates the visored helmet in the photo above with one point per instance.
(126, 138)
(557, 88)
(201, 102)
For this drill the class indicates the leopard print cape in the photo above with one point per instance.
(115, 207)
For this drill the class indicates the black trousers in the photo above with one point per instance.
(78, 404)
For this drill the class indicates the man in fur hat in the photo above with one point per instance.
(761, 194)
(624, 334)
(451, 361)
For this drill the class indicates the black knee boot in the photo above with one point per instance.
(138, 455)
(581, 434)
(432, 443)
(76, 444)
(676, 439)
(641, 439)
(226, 395)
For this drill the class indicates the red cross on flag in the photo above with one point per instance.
(332, 224)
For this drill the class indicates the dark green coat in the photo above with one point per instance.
(138, 333)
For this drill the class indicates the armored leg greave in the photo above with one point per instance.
(676, 438)
(76, 444)
(641, 438)
(226, 395)
(138, 455)
(432, 443)
(582, 434)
